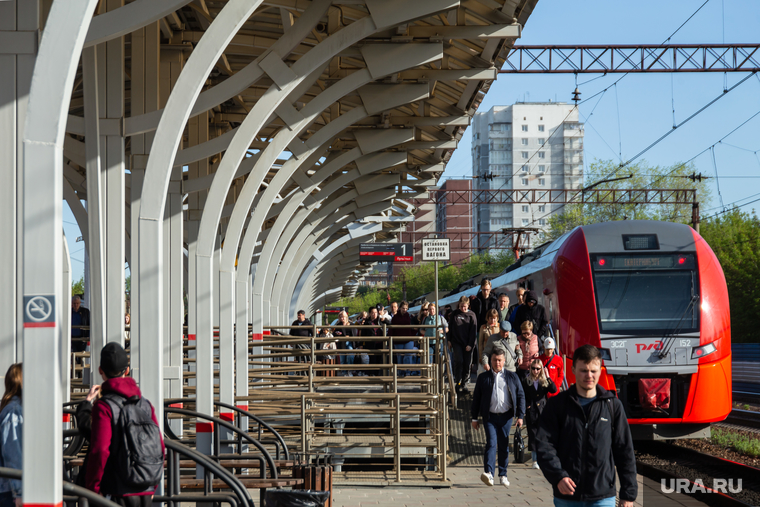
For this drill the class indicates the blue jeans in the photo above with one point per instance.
(497, 436)
(607, 502)
(347, 358)
(408, 358)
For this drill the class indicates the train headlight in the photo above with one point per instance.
(704, 350)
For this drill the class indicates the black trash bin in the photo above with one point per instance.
(296, 498)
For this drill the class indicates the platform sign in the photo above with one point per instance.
(386, 252)
(436, 249)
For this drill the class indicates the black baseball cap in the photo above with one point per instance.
(113, 360)
(379, 307)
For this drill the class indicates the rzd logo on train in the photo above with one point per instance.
(657, 345)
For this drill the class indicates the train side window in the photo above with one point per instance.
(530, 284)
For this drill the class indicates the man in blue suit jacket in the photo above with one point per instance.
(498, 397)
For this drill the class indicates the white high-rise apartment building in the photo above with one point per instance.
(529, 145)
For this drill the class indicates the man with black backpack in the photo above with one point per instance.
(126, 457)
(583, 436)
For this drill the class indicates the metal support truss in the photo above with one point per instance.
(642, 196)
(633, 58)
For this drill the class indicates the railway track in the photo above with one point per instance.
(745, 418)
(725, 483)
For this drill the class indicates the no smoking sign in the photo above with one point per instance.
(39, 311)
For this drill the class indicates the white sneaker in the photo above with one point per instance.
(535, 465)
(487, 479)
(504, 481)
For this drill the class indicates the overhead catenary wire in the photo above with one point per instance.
(717, 180)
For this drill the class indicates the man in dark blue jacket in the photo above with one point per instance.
(582, 437)
(498, 397)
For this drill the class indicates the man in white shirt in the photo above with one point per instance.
(498, 398)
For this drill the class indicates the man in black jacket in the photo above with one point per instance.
(483, 302)
(463, 330)
(305, 330)
(533, 312)
(582, 437)
(498, 397)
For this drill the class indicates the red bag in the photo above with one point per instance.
(654, 393)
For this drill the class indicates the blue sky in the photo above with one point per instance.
(644, 101)
(639, 109)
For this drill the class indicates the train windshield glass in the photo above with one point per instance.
(643, 294)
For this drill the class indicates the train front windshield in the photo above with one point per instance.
(645, 294)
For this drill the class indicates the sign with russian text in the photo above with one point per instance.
(436, 250)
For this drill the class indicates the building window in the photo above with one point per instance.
(524, 154)
(524, 128)
(524, 142)
(525, 181)
(525, 221)
(541, 221)
(541, 209)
(540, 128)
(541, 154)
(541, 140)
(541, 168)
(525, 168)
(525, 209)
(541, 182)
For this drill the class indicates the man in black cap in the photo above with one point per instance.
(101, 476)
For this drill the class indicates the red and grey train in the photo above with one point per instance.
(652, 296)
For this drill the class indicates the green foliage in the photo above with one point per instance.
(77, 287)
(420, 280)
(735, 239)
(739, 442)
(644, 177)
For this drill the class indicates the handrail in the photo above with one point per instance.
(230, 480)
(262, 423)
(72, 489)
(450, 374)
(233, 428)
(280, 440)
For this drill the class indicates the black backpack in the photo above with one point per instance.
(138, 457)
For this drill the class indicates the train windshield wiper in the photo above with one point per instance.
(669, 338)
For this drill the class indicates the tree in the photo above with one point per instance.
(644, 176)
(420, 280)
(77, 287)
(734, 236)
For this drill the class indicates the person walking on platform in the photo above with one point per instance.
(497, 399)
(463, 332)
(373, 329)
(553, 364)
(537, 387)
(122, 401)
(345, 341)
(490, 328)
(529, 346)
(520, 292)
(583, 436)
(534, 312)
(80, 316)
(305, 329)
(436, 335)
(402, 318)
(507, 341)
(503, 309)
(483, 302)
(11, 436)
